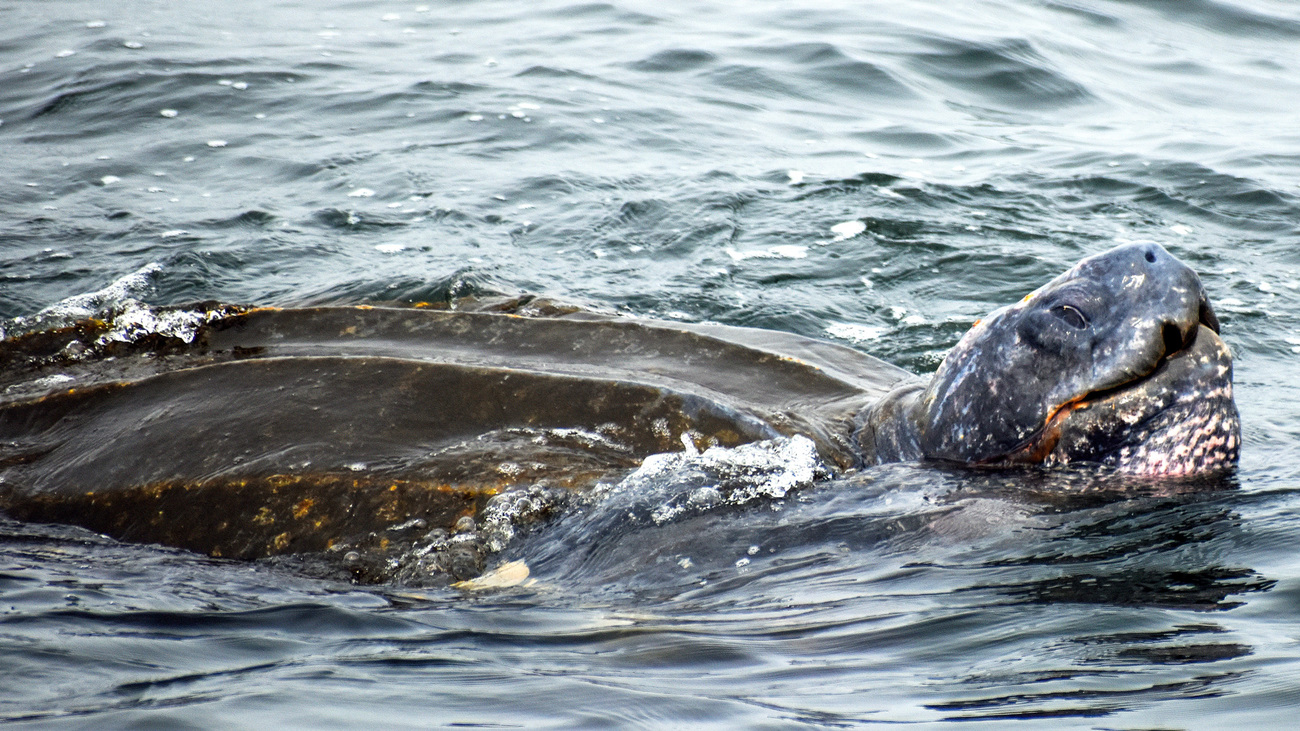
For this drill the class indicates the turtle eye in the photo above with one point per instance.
(1071, 315)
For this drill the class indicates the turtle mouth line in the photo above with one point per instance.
(1041, 443)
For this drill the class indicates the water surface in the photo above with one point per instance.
(878, 174)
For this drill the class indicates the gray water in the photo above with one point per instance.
(878, 174)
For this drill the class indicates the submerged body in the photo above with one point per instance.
(341, 430)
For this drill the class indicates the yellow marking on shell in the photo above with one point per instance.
(303, 507)
(281, 541)
(263, 516)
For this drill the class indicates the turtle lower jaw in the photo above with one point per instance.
(1179, 420)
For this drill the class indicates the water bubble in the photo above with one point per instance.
(389, 248)
(475, 118)
(225, 82)
(362, 193)
(216, 143)
(241, 85)
(65, 53)
(96, 24)
(109, 179)
(796, 176)
(173, 233)
(742, 563)
(389, 17)
(133, 45)
(1181, 229)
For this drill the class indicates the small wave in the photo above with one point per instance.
(102, 303)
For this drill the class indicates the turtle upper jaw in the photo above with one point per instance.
(1178, 420)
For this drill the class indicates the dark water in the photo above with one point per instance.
(693, 161)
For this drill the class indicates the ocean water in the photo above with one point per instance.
(875, 174)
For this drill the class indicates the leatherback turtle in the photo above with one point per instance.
(251, 432)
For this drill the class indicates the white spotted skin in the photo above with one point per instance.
(1181, 424)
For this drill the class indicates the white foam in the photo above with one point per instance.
(136, 321)
(768, 469)
(848, 229)
(854, 332)
(362, 193)
(216, 143)
(389, 248)
(784, 251)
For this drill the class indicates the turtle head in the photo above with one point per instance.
(1116, 362)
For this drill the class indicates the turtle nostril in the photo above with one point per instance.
(1173, 338)
(1151, 256)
